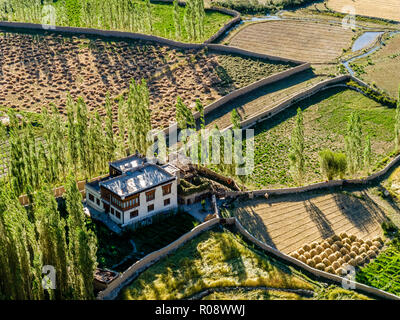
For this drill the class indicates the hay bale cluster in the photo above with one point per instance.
(333, 254)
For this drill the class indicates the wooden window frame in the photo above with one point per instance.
(167, 189)
(150, 195)
(134, 214)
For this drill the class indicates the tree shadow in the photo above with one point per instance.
(254, 224)
(360, 213)
(318, 217)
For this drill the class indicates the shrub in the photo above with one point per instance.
(389, 228)
(332, 164)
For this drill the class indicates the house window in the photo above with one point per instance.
(150, 195)
(135, 201)
(118, 214)
(134, 214)
(91, 197)
(98, 202)
(166, 189)
(150, 207)
(167, 202)
(112, 210)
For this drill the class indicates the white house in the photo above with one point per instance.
(135, 190)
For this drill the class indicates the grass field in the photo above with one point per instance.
(325, 116)
(213, 259)
(39, 69)
(115, 16)
(387, 9)
(299, 40)
(382, 67)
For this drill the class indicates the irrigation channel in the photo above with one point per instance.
(364, 41)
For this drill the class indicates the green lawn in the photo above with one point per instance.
(214, 259)
(115, 15)
(325, 120)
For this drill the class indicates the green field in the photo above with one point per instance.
(214, 259)
(121, 15)
(384, 272)
(325, 119)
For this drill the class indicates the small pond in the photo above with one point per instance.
(365, 40)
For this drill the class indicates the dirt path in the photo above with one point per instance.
(292, 221)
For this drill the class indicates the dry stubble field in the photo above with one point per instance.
(299, 40)
(39, 69)
(289, 222)
(387, 9)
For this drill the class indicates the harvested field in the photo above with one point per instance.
(287, 223)
(299, 40)
(386, 9)
(325, 116)
(382, 67)
(263, 99)
(335, 254)
(39, 69)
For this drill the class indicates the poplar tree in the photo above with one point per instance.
(353, 143)
(16, 170)
(296, 156)
(81, 243)
(82, 121)
(121, 128)
(235, 119)
(71, 134)
(177, 23)
(51, 232)
(367, 154)
(397, 125)
(109, 132)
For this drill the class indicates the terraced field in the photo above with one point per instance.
(38, 69)
(292, 221)
(218, 259)
(325, 116)
(263, 99)
(382, 67)
(387, 9)
(299, 40)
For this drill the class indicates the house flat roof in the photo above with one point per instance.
(143, 178)
(128, 163)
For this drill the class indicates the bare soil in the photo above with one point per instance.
(39, 69)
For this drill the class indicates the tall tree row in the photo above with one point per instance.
(296, 156)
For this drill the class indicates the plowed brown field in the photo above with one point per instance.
(299, 40)
(39, 69)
